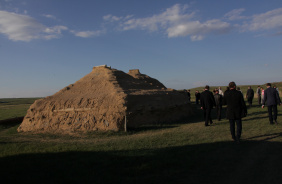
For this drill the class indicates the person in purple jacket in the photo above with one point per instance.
(271, 99)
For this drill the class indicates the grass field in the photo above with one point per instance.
(173, 153)
(14, 107)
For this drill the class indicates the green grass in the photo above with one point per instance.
(14, 107)
(172, 153)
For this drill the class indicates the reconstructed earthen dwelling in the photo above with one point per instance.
(106, 99)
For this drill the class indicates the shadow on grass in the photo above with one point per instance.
(11, 122)
(257, 113)
(151, 127)
(267, 137)
(221, 162)
(254, 118)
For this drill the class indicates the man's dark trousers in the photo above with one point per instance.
(218, 112)
(232, 128)
(259, 99)
(250, 101)
(274, 117)
(207, 116)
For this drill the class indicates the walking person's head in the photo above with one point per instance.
(207, 87)
(232, 85)
(268, 85)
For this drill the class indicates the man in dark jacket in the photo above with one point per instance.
(218, 104)
(198, 96)
(259, 95)
(236, 110)
(207, 103)
(272, 99)
(189, 95)
(250, 95)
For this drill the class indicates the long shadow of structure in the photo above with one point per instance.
(221, 162)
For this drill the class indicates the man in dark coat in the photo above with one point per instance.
(207, 103)
(218, 104)
(272, 99)
(198, 96)
(189, 95)
(236, 110)
(250, 95)
(259, 95)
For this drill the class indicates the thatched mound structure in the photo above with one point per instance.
(106, 99)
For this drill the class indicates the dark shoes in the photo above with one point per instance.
(209, 124)
(236, 140)
(275, 121)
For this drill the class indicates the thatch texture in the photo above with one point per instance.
(102, 99)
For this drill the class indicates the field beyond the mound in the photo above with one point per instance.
(187, 152)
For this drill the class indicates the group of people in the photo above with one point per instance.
(236, 108)
(260, 94)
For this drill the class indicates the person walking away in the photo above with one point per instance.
(189, 95)
(259, 95)
(250, 96)
(271, 99)
(218, 104)
(207, 103)
(235, 111)
(198, 96)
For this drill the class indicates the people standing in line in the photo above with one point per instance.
(262, 94)
(218, 104)
(259, 95)
(271, 99)
(250, 96)
(198, 96)
(235, 111)
(220, 91)
(207, 103)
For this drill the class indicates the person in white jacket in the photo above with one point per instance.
(220, 91)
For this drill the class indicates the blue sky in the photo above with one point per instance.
(46, 45)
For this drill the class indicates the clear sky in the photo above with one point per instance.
(46, 45)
